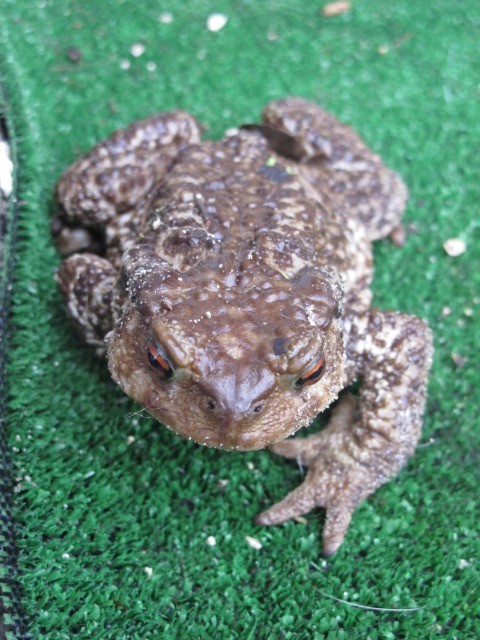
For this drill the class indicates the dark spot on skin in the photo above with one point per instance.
(103, 179)
(279, 346)
(257, 408)
(275, 174)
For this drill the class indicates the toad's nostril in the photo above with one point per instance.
(211, 405)
(257, 408)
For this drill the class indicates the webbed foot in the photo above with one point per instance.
(338, 485)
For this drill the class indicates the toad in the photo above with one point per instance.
(228, 283)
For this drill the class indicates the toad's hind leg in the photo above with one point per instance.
(347, 175)
(367, 440)
(101, 195)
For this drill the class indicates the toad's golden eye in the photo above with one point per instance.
(312, 374)
(157, 359)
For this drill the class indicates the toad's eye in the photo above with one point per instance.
(312, 374)
(157, 359)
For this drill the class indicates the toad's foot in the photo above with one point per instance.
(335, 483)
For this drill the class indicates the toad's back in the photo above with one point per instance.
(238, 211)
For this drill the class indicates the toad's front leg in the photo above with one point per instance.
(86, 283)
(369, 440)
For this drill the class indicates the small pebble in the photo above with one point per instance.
(253, 542)
(216, 21)
(148, 571)
(462, 564)
(74, 54)
(335, 9)
(211, 541)
(459, 360)
(124, 64)
(455, 247)
(151, 66)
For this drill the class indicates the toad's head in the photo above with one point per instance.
(229, 364)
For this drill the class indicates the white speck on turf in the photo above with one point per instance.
(137, 49)
(216, 21)
(455, 247)
(253, 542)
(6, 169)
(166, 17)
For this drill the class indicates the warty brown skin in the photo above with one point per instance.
(233, 293)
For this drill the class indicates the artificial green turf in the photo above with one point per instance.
(114, 511)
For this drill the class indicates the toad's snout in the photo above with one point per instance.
(236, 409)
(239, 396)
(239, 410)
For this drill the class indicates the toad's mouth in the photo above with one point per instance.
(229, 434)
